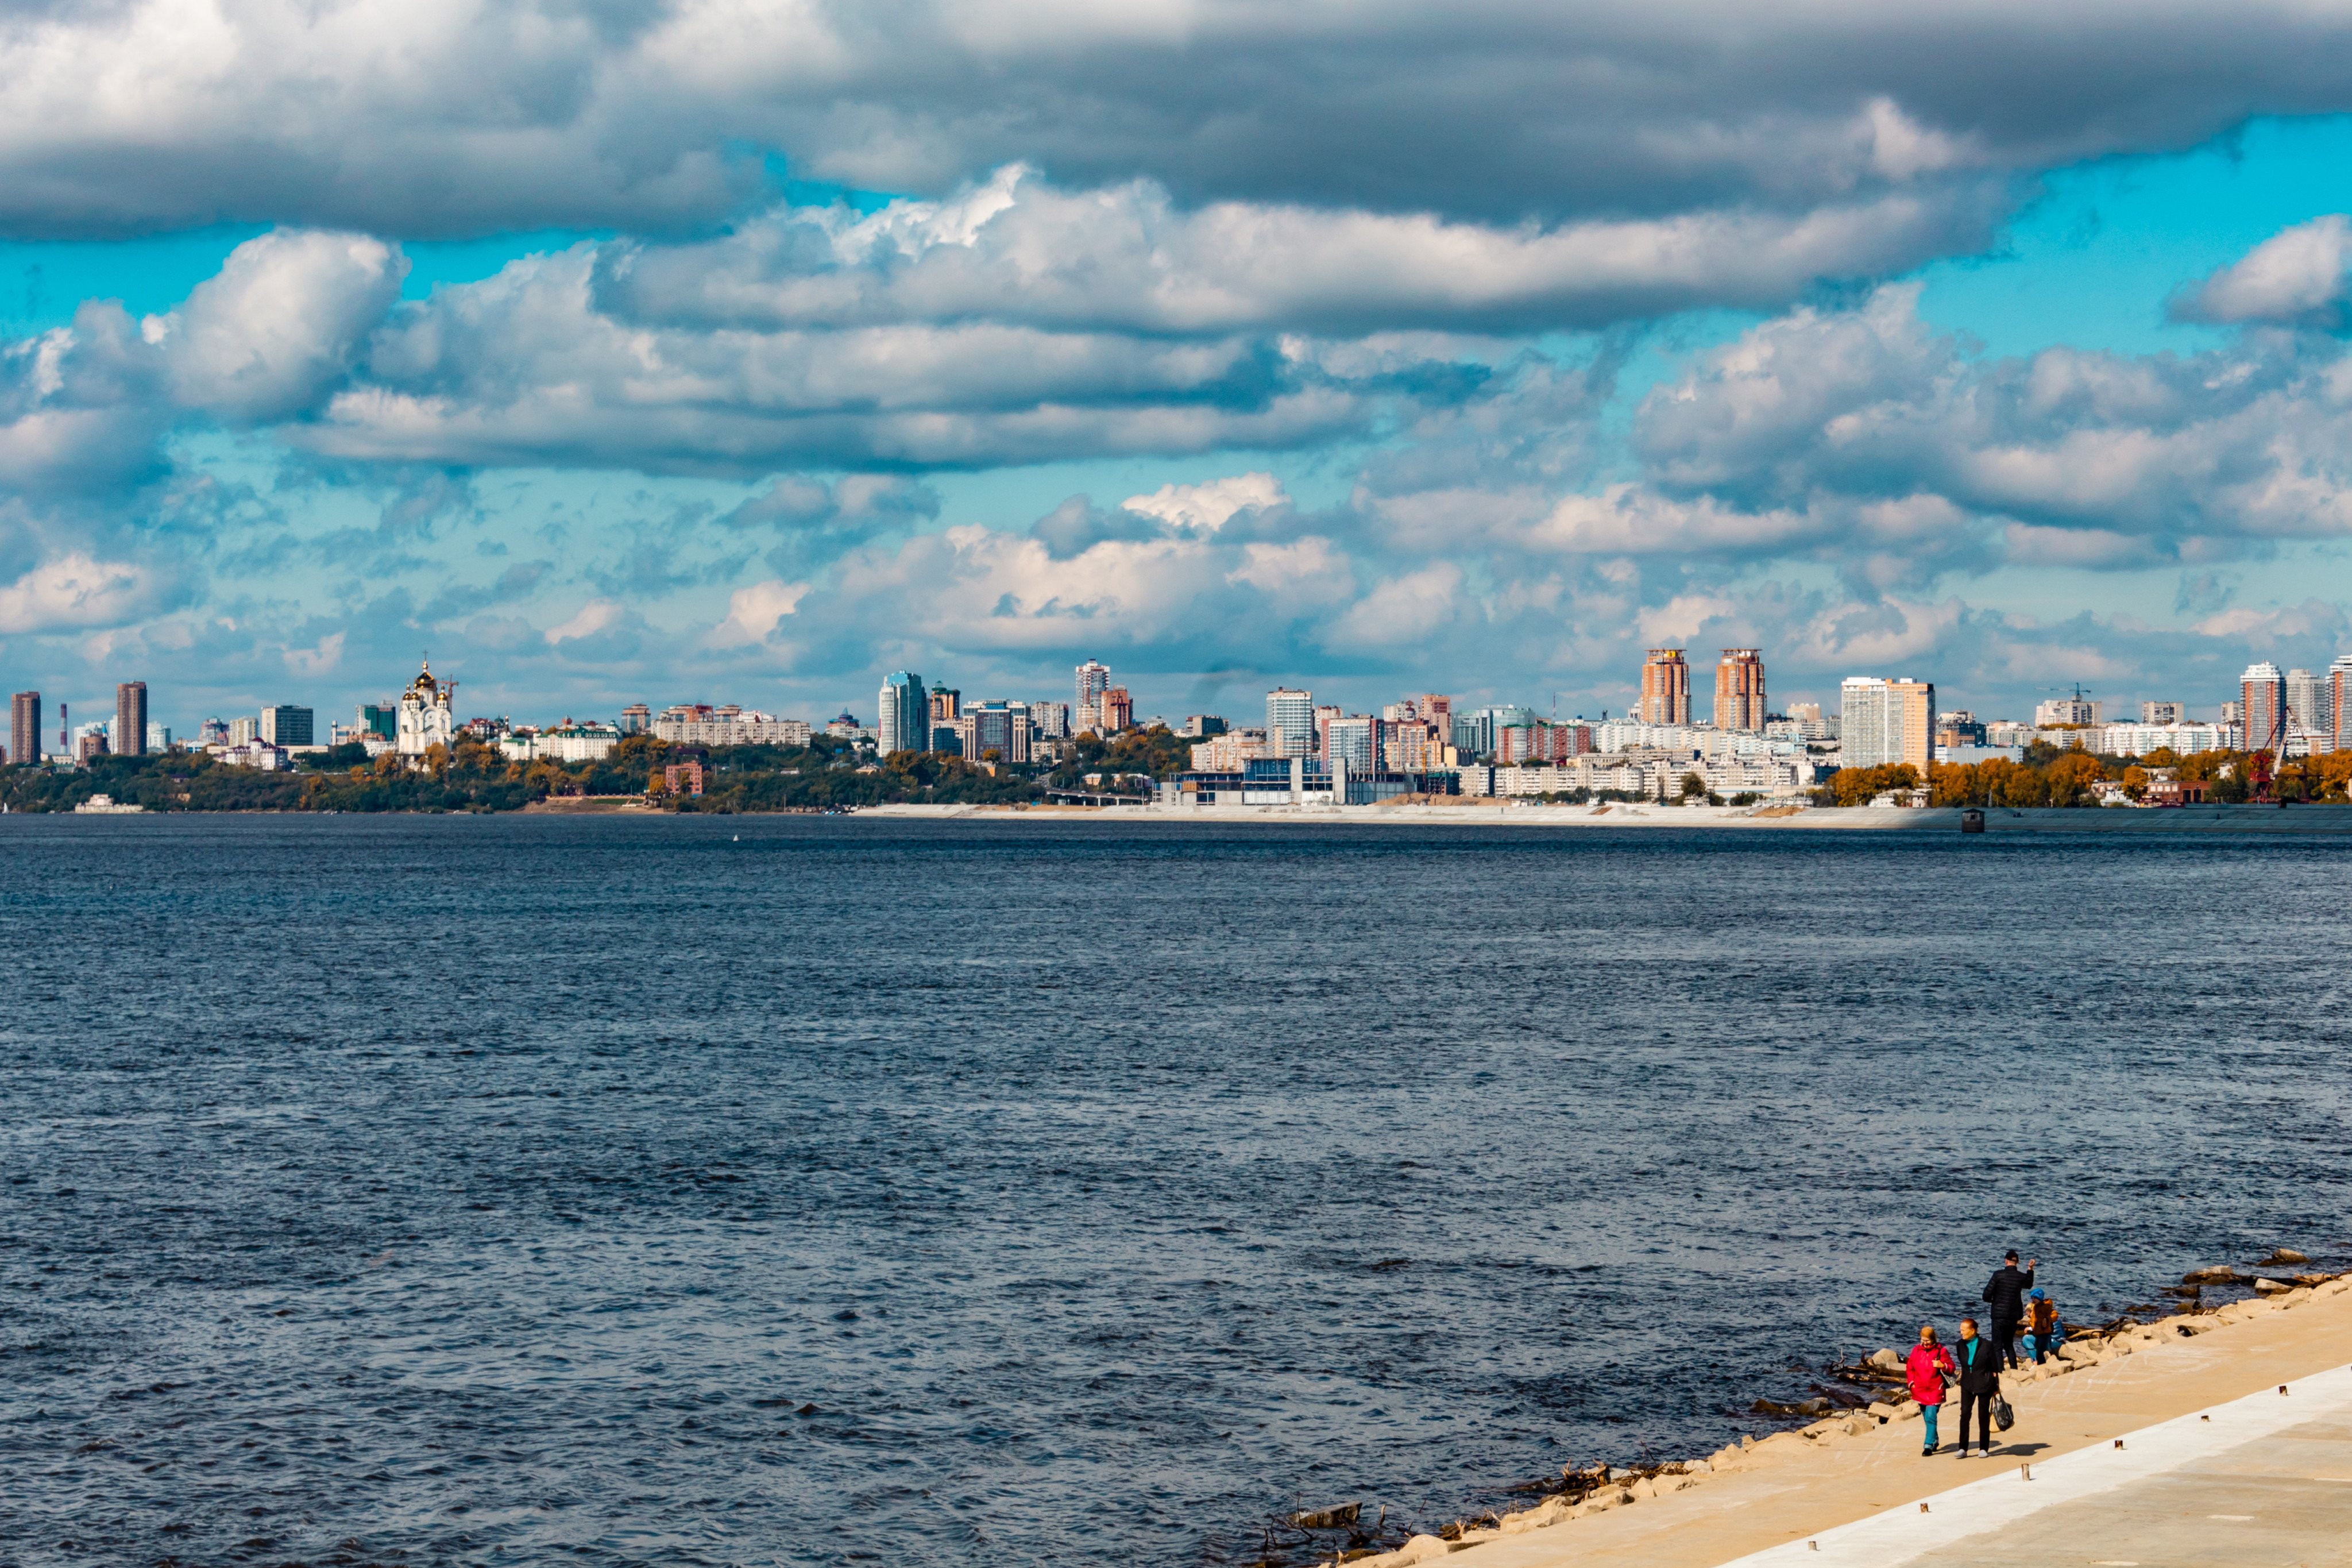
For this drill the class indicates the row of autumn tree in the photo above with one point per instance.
(2053, 776)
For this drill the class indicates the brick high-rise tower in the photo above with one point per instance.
(1665, 688)
(1739, 689)
(131, 719)
(25, 727)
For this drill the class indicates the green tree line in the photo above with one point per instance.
(825, 774)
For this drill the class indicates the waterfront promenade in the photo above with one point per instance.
(2217, 1466)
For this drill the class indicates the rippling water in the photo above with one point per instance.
(503, 1190)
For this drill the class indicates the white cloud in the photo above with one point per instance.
(1126, 258)
(1402, 609)
(280, 322)
(595, 617)
(752, 612)
(1837, 412)
(1631, 520)
(321, 660)
(2295, 277)
(72, 592)
(523, 368)
(1206, 508)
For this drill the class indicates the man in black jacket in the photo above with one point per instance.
(2005, 1294)
(1980, 1365)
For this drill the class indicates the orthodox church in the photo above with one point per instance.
(426, 719)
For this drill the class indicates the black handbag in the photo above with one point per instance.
(2003, 1417)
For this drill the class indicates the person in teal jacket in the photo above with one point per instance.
(1979, 1361)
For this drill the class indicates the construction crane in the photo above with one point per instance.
(2262, 767)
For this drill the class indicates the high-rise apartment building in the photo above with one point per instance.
(1885, 723)
(2339, 694)
(2310, 709)
(25, 727)
(1052, 720)
(1355, 739)
(2160, 712)
(1665, 688)
(636, 719)
(130, 738)
(2073, 713)
(1117, 711)
(947, 704)
(905, 725)
(285, 725)
(1086, 713)
(1290, 722)
(1739, 689)
(2262, 706)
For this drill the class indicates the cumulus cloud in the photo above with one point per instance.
(1206, 508)
(72, 593)
(80, 407)
(752, 612)
(1855, 409)
(2296, 277)
(524, 368)
(595, 617)
(1018, 250)
(280, 322)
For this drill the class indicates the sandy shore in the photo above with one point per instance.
(1848, 1490)
(2326, 820)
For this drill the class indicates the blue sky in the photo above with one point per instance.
(1798, 346)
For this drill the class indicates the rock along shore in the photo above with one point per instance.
(1760, 1493)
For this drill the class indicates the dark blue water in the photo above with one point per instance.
(524, 1190)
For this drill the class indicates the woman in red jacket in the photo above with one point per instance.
(1927, 1365)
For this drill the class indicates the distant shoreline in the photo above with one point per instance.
(2159, 821)
(2203, 821)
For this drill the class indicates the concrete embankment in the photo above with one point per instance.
(2321, 820)
(2219, 1436)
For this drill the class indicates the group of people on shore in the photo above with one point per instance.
(2016, 1306)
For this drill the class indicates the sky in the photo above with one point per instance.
(662, 351)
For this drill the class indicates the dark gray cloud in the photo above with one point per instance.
(654, 116)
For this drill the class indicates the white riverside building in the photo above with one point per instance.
(566, 743)
(1649, 776)
(2139, 740)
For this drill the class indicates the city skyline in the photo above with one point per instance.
(2318, 699)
